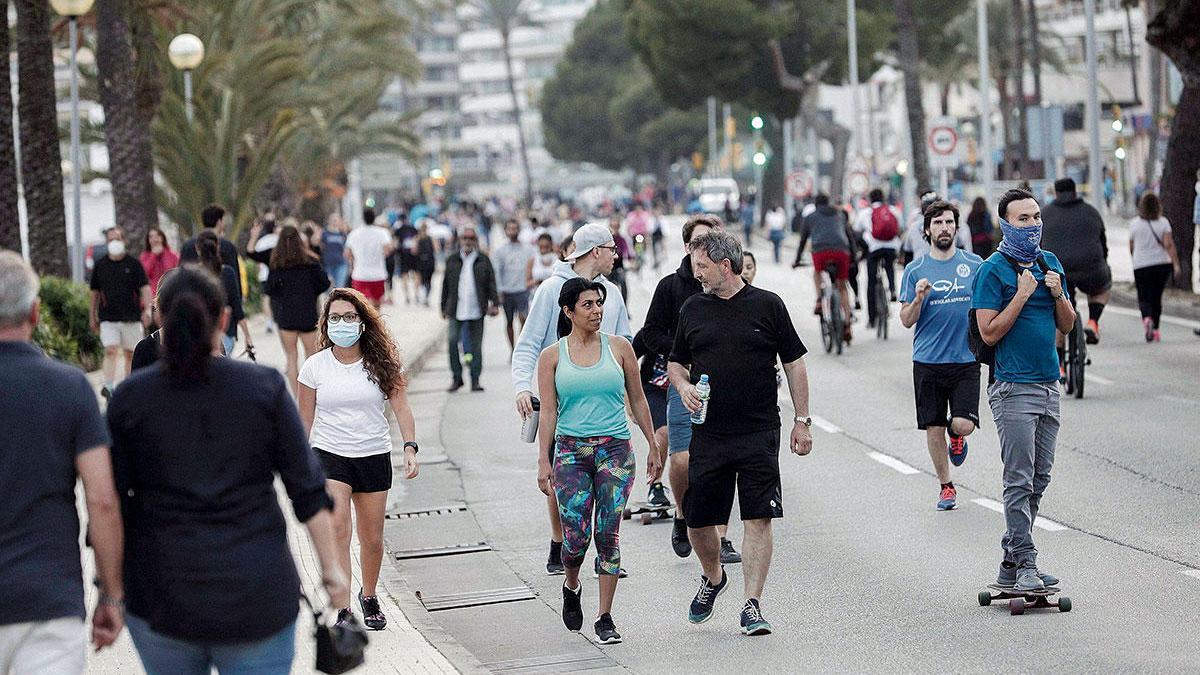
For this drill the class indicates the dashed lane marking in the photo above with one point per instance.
(893, 463)
(1195, 574)
(1097, 379)
(1179, 399)
(1044, 523)
(825, 425)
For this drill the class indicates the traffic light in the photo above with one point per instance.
(756, 122)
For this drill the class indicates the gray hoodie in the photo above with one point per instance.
(541, 328)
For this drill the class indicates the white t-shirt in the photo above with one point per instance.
(367, 244)
(862, 224)
(1147, 250)
(350, 419)
(468, 297)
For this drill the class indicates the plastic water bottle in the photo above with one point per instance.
(705, 390)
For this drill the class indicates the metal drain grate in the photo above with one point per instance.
(437, 603)
(421, 513)
(437, 551)
(559, 663)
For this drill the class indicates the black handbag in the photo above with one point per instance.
(341, 648)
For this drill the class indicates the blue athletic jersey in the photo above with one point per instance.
(940, 334)
(1026, 353)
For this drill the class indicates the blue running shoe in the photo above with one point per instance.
(702, 605)
(753, 622)
(957, 449)
(948, 499)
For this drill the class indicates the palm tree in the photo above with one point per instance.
(504, 16)
(910, 60)
(127, 136)
(10, 226)
(41, 160)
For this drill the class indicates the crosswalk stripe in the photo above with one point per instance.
(1044, 523)
(892, 462)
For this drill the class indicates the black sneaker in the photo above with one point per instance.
(345, 616)
(455, 386)
(658, 495)
(372, 615)
(621, 573)
(679, 539)
(572, 612)
(729, 555)
(702, 605)
(106, 393)
(606, 632)
(753, 622)
(554, 564)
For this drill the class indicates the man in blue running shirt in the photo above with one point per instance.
(936, 297)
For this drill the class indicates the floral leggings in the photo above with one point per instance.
(592, 474)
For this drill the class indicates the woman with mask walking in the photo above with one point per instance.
(344, 391)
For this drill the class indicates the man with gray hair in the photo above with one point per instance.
(54, 433)
(731, 334)
(468, 293)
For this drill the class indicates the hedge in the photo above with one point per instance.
(63, 332)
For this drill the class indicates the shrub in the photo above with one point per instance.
(252, 295)
(64, 332)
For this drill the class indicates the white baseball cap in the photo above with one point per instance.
(589, 237)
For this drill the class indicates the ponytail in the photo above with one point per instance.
(190, 302)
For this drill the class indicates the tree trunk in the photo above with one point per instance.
(1035, 65)
(10, 223)
(1156, 101)
(127, 138)
(910, 61)
(1006, 105)
(516, 103)
(41, 161)
(1022, 158)
(944, 97)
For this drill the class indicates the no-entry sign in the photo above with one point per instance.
(942, 140)
(800, 183)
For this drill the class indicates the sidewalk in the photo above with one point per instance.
(400, 647)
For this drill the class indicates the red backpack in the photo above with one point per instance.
(884, 226)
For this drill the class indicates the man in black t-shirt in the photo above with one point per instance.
(213, 218)
(120, 305)
(733, 333)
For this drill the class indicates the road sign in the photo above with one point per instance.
(942, 140)
(800, 183)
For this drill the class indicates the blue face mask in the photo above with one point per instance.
(344, 333)
(1021, 243)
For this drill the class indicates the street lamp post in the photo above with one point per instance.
(73, 9)
(1095, 177)
(985, 101)
(186, 51)
(759, 159)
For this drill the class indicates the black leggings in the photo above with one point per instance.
(1150, 283)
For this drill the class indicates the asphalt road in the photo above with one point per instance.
(867, 575)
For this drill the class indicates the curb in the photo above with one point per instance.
(1176, 303)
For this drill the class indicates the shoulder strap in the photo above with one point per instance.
(1041, 263)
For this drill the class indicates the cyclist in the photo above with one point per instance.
(1074, 231)
(826, 229)
(936, 295)
(879, 225)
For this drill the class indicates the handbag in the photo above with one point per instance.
(340, 648)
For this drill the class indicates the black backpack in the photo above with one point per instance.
(985, 353)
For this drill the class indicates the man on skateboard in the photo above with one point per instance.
(1019, 303)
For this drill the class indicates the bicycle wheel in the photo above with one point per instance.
(837, 322)
(881, 309)
(1078, 345)
(826, 327)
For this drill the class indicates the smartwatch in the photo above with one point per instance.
(410, 444)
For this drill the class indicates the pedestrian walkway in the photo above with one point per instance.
(400, 648)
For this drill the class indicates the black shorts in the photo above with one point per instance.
(718, 463)
(514, 304)
(657, 399)
(372, 473)
(946, 390)
(1091, 281)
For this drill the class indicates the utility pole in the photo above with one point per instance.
(1095, 173)
(985, 101)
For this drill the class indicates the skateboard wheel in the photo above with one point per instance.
(985, 598)
(1016, 606)
(627, 514)
(1064, 604)
(647, 518)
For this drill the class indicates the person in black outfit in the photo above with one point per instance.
(1073, 230)
(210, 260)
(467, 305)
(980, 223)
(426, 261)
(733, 334)
(294, 285)
(406, 254)
(197, 443)
(213, 219)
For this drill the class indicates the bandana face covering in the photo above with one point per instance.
(1021, 243)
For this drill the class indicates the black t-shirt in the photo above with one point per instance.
(229, 256)
(735, 342)
(119, 283)
(294, 291)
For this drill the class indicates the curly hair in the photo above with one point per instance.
(381, 358)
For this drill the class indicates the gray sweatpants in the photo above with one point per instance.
(1026, 417)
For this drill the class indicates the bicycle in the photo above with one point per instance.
(832, 319)
(1076, 359)
(883, 309)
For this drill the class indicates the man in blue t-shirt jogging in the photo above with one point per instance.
(936, 297)
(1020, 303)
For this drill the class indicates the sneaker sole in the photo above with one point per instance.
(608, 641)
(731, 561)
(951, 507)
(709, 615)
(756, 630)
(555, 573)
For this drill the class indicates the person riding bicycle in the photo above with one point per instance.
(826, 229)
(880, 226)
(1074, 231)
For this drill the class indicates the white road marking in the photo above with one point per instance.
(1195, 574)
(825, 425)
(1187, 323)
(893, 463)
(1044, 523)
(1179, 399)
(1097, 379)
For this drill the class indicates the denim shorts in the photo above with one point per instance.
(679, 423)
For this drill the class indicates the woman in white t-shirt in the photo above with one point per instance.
(1154, 260)
(776, 222)
(345, 389)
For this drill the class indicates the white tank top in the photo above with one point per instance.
(543, 266)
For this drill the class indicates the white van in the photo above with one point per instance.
(714, 192)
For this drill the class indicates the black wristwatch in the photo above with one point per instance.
(412, 445)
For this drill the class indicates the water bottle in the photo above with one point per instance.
(529, 427)
(704, 389)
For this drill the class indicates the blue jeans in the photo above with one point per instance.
(171, 656)
(228, 342)
(338, 274)
(679, 423)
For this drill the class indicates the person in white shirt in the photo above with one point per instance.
(513, 274)
(776, 222)
(879, 225)
(468, 293)
(367, 249)
(1155, 259)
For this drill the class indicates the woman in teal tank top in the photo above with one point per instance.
(586, 457)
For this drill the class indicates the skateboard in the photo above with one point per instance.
(1019, 601)
(648, 513)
